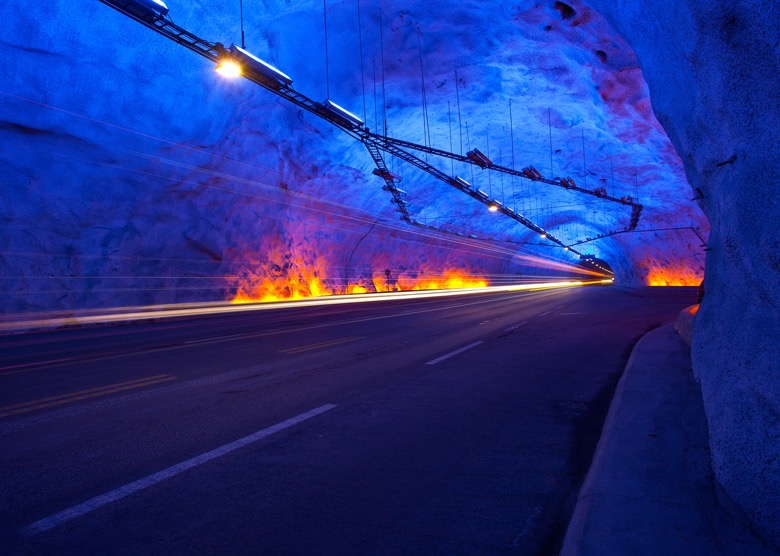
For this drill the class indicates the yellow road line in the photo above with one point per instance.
(62, 399)
(80, 392)
(321, 345)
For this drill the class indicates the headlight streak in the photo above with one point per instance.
(442, 237)
(464, 246)
(154, 312)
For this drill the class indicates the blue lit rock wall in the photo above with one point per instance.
(714, 74)
(132, 174)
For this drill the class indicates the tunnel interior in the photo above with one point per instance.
(161, 182)
(170, 183)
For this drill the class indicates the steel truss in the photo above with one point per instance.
(375, 144)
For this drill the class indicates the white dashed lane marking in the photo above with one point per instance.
(104, 499)
(453, 353)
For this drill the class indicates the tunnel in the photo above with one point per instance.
(137, 176)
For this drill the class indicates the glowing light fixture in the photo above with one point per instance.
(145, 9)
(229, 68)
(542, 235)
(342, 113)
(235, 61)
(492, 208)
(458, 181)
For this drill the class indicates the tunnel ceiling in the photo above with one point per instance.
(127, 155)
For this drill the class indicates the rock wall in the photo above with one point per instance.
(713, 68)
(133, 175)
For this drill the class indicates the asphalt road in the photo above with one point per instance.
(459, 425)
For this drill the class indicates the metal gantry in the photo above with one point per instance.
(154, 15)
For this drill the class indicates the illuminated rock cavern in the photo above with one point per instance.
(134, 174)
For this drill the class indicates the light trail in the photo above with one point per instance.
(463, 246)
(474, 246)
(154, 312)
(256, 184)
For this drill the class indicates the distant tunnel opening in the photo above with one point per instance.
(599, 265)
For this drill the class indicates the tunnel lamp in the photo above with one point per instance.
(565, 248)
(492, 208)
(229, 68)
(542, 236)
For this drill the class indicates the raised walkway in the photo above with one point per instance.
(650, 488)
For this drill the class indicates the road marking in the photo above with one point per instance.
(269, 333)
(62, 399)
(217, 339)
(571, 313)
(453, 353)
(35, 364)
(329, 343)
(122, 492)
(515, 327)
(547, 313)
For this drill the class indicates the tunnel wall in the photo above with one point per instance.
(713, 68)
(133, 174)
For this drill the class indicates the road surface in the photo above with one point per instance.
(451, 425)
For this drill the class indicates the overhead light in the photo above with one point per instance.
(457, 180)
(258, 69)
(492, 208)
(342, 113)
(479, 159)
(145, 9)
(227, 67)
(542, 236)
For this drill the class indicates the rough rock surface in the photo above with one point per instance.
(133, 174)
(714, 74)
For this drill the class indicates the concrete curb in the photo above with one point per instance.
(684, 323)
(650, 488)
(575, 532)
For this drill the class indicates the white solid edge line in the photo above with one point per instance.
(131, 488)
(453, 353)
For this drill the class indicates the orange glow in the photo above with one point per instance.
(228, 68)
(281, 282)
(298, 280)
(27, 321)
(673, 276)
(452, 279)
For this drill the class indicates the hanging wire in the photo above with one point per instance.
(501, 174)
(376, 114)
(449, 124)
(426, 126)
(327, 61)
(468, 146)
(584, 164)
(549, 127)
(612, 171)
(460, 125)
(512, 141)
(241, 8)
(362, 71)
(382, 52)
(490, 184)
